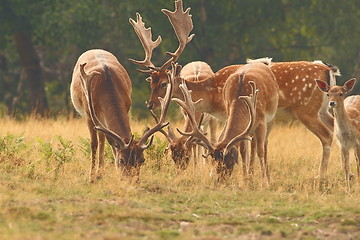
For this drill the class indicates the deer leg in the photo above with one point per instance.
(101, 139)
(316, 126)
(244, 156)
(357, 157)
(261, 135)
(346, 165)
(213, 128)
(269, 127)
(252, 156)
(94, 146)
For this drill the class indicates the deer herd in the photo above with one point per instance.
(243, 98)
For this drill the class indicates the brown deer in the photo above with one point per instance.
(297, 91)
(298, 95)
(347, 122)
(183, 147)
(250, 98)
(100, 91)
(182, 25)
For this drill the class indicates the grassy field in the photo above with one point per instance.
(44, 193)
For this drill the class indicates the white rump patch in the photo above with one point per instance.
(265, 60)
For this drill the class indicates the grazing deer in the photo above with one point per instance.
(297, 94)
(182, 25)
(100, 91)
(182, 147)
(250, 98)
(347, 121)
(297, 91)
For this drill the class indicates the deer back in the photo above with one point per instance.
(111, 91)
(297, 85)
(267, 98)
(196, 71)
(352, 106)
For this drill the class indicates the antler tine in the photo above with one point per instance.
(165, 102)
(161, 130)
(189, 106)
(251, 104)
(145, 37)
(182, 24)
(86, 85)
(199, 125)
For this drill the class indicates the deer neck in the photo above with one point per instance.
(237, 121)
(342, 121)
(118, 122)
(210, 91)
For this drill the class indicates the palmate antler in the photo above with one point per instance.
(148, 44)
(189, 107)
(182, 24)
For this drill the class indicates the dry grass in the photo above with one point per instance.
(48, 198)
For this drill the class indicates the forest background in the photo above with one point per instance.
(40, 41)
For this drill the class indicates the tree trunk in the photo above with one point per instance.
(356, 74)
(33, 75)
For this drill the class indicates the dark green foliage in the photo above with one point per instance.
(227, 32)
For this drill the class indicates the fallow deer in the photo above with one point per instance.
(347, 122)
(297, 94)
(182, 25)
(257, 81)
(297, 91)
(100, 91)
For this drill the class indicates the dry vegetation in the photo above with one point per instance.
(44, 192)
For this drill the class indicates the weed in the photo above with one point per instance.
(63, 154)
(11, 144)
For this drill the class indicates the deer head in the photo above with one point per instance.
(180, 147)
(336, 94)
(182, 24)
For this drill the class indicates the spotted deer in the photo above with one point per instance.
(100, 91)
(298, 95)
(347, 121)
(250, 97)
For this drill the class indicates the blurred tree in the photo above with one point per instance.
(228, 32)
(18, 24)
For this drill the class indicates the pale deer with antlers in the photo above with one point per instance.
(347, 122)
(297, 94)
(100, 91)
(297, 91)
(251, 98)
(197, 71)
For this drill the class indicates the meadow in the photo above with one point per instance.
(45, 194)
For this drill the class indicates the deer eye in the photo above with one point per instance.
(327, 94)
(163, 85)
(148, 79)
(341, 94)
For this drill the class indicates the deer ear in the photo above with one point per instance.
(323, 86)
(178, 70)
(349, 85)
